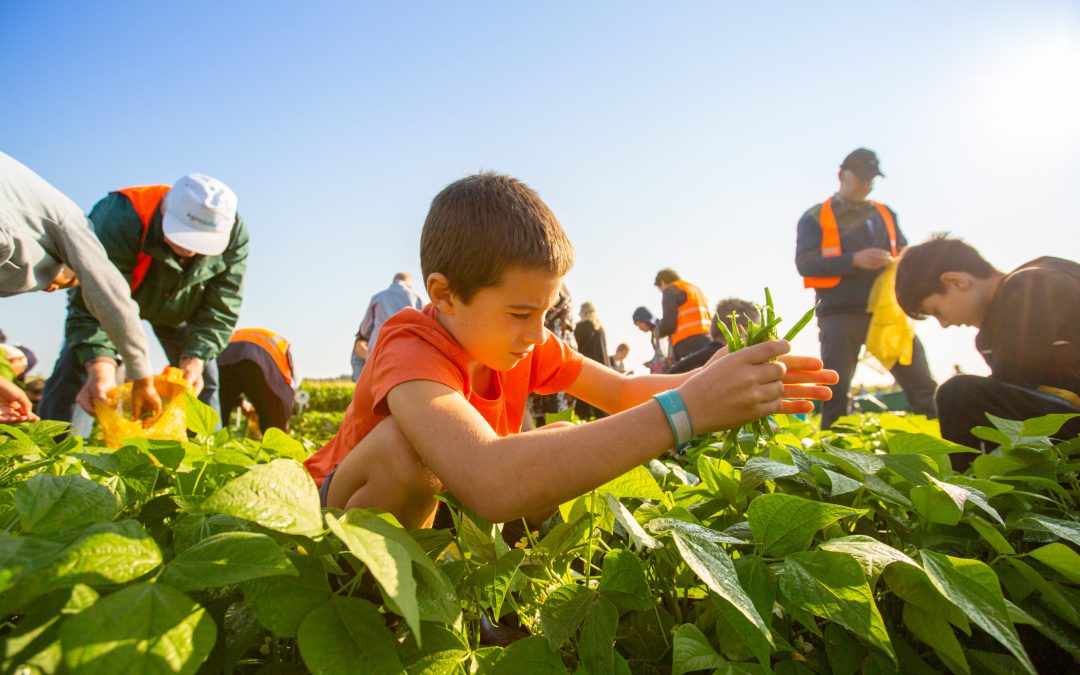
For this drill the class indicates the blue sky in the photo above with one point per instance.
(686, 135)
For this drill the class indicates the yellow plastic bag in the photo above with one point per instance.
(891, 337)
(115, 418)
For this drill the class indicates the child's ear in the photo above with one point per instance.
(957, 280)
(438, 289)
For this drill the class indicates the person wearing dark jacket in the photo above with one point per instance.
(592, 344)
(1029, 334)
(843, 244)
(183, 250)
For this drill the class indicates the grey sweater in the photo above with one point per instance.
(40, 229)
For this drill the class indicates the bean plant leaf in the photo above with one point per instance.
(623, 581)
(493, 580)
(533, 655)
(347, 633)
(997, 541)
(637, 534)
(838, 482)
(716, 569)
(280, 444)
(938, 634)
(662, 526)
(757, 470)
(637, 483)
(200, 418)
(1066, 529)
(853, 462)
(939, 502)
(1061, 559)
(785, 523)
(48, 503)
(280, 603)
(973, 587)
(596, 644)
(227, 558)
(563, 612)
(691, 651)
(107, 553)
(279, 496)
(833, 586)
(145, 628)
(873, 555)
(1047, 425)
(415, 587)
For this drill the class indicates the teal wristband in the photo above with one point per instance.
(678, 417)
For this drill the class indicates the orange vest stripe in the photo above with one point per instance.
(694, 317)
(830, 240)
(272, 343)
(146, 200)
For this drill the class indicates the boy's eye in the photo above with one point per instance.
(521, 317)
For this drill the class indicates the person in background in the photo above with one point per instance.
(1029, 334)
(618, 359)
(183, 252)
(383, 305)
(685, 317)
(646, 323)
(744, 310)
(258, 365)
(842, 245)
(592, 344)
(559, 319)
(46, 244)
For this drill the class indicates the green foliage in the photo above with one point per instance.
(852, 551)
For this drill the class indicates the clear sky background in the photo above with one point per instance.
(689, 135)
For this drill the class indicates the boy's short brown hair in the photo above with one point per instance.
(918, 273)
(479, 226)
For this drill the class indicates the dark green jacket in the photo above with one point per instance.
(206, 296)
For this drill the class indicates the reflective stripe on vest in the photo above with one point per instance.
(275, 345)
(694, 317)
(146, 200)
(830, 240)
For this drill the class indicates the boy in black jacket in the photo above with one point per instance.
(1029, 333)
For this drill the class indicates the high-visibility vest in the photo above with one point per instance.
(830, 240)
(274, 345)
(147, 200)
(694, 316)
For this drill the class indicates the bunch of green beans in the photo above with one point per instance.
(755, 334)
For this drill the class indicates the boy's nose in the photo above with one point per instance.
(535, 333)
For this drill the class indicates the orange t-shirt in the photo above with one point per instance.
(413, 345)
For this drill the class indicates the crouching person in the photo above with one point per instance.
(1029, 334)
(443, 393)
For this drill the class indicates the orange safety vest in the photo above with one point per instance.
(274, 344)
(146, 200)
(830, 240)
(694, 317)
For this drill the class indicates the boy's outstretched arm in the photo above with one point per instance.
(506, 478)
(613, 392)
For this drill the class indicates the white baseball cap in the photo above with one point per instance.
(200, 212)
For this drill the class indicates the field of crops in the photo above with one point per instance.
(856, 550)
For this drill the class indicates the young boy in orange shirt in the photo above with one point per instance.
(442, 395)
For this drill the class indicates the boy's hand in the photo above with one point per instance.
(748, 384)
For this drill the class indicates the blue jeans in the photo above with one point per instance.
(357, 366)
(69, 377)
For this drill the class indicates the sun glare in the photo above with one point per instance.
(1032, 90)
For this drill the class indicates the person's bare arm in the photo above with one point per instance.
(486, 471)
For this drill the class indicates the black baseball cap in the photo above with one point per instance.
(863, 163)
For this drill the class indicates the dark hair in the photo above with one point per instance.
(745, 311)
(918, 273)
(481, 225)
(667, 275)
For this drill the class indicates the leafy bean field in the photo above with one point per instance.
(851, 551)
